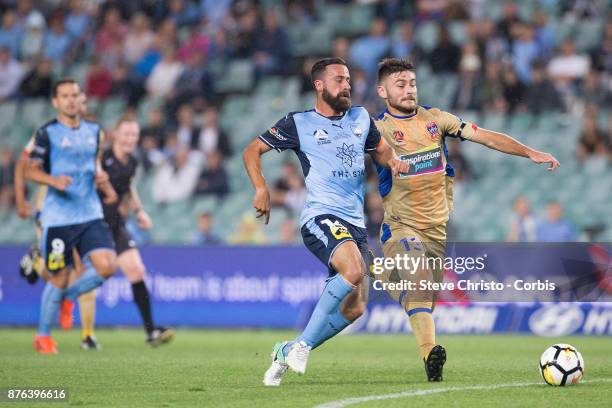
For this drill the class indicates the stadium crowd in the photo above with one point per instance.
(168, 49)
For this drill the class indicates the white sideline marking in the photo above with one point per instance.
(407, 394)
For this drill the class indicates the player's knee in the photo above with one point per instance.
(352, 269)
(106, 266)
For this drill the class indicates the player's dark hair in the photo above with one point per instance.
(390, 66)
(62, 82)
(319, 67)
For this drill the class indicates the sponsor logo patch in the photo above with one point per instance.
(274, 132)
(322, 136)
(423, 162)
(357, 129)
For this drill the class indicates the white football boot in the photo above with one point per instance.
(274, 374)
(297, 358)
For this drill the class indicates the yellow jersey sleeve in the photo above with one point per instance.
(453, 126)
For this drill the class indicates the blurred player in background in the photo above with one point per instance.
(417, 204)
(65, 157)
(31, 264)
(330, 142)
(119, 162)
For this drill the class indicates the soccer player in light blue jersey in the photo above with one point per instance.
(65, 157)
(330, 142)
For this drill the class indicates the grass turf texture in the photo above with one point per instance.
(225, 368)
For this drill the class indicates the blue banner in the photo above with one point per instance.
(277, 287)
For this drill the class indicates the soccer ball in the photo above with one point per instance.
(561, 364)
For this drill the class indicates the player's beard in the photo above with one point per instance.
(339, 103)
(403, 109)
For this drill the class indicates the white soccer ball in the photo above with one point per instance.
(561, 364)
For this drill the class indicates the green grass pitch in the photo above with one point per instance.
(225, 368)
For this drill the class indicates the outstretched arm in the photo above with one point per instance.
(252, 163)
(509, 145)
(385, 156)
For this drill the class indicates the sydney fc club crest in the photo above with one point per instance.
(433, 130)
(322, 136)
(398, 137)
(357, 129)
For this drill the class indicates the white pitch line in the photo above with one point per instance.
(408, 394)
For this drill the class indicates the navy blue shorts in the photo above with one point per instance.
(324, 233)
(58, 242)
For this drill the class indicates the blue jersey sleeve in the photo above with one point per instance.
(283, 135)
(373, 138)
(41, 149)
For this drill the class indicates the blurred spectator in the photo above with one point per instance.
(592, 140)
(300, 12)
(183, 12)
(508, 19)
(7, 168)
(11, 73)
(167, 34)
(545, 35)
(155, 127)
(249, 231)
(121, 84)
(288, 232)
(272, 51)
(205, 234)
(175, 179)
(99, 81)
(25, 11)
(367, 51)
(306, 79)
(164, 75)
(601, 57)
(360, 89)
(470, 82)
(492, 90)
(243, 36)
(213, 179)
(78, 21)
(555, 228)
(210, 137)
(514, 90)
(403, 45)
(57, 41)
(523, 225)
(341, 48)
(194, 85)
(33, 37)
(567, 67)
(37, 84)
(524, 51)
(446, 56)
(138, 40)
(215, 11)
(541, 95)
(594, 91)
(195, 45)
(110, 39)
(184, 126)
(10, 34)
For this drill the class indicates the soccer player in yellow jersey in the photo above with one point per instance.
(418, 203)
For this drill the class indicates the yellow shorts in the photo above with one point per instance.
(426, 247)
